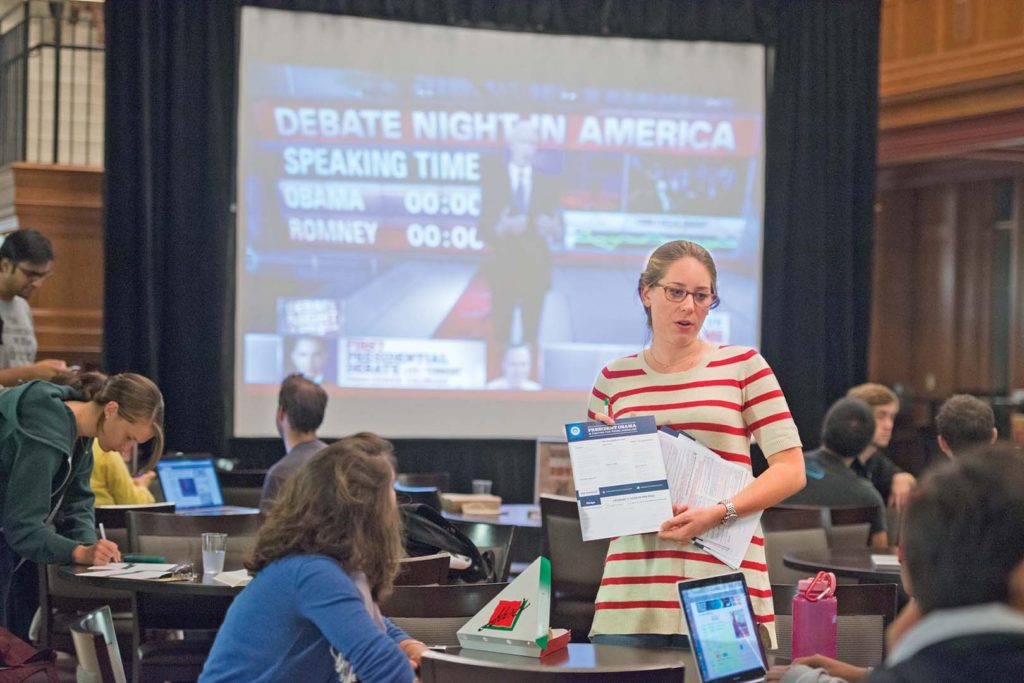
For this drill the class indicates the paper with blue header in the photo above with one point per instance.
(621, 485)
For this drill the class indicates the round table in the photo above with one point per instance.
(200, 584)
(578, 657)
(852, 562)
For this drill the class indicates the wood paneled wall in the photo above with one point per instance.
(66, 204)
(932, 286)
(950, 59)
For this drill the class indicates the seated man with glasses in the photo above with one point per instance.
(26, 260)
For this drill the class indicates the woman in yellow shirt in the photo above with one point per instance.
(113, 484)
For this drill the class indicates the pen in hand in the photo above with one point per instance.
(116, 557)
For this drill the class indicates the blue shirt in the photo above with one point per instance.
(284, 624)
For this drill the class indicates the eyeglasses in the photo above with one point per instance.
(701, 298)
(35, 275)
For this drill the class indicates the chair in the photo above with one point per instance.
(439, 480)
(497, 538)
(434, 614)
(787, 529)
(242, 487)
(850, 527)
(177, 537)
(96, 647)
(424, 570)
(864, 611)
(62, 602)
(443, 668)
(576, 566)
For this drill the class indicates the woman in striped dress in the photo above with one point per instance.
(720, 395)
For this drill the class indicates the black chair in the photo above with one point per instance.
(788, 529)
(497, 538)
(426, 495)
(177, 537)
(434, 614)
(439, 480)
(863, 613)
(96, 646)
(850, 526)
(423, 571)
(576, 566)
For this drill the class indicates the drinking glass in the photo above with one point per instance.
(214, 547)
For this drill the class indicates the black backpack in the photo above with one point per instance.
(427, 533)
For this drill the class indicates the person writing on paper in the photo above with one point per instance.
(720, 395)
(326, 555)
(47, 509)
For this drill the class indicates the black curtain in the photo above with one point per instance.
(171, 84)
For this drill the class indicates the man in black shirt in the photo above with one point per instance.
(892, 483)
(848, 429)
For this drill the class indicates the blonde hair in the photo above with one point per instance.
(663, 258)
(139, 401)
(339, 504)
(875, 395)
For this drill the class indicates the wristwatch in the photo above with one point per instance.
(730, 512)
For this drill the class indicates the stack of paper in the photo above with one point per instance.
(128, 570)
(886, 562)
(699, 477)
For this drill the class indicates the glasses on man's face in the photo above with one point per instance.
(35, 275)
(701, 298)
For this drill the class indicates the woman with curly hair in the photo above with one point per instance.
(328, 552)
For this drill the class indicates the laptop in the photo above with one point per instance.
(193, 488)
(723, 631)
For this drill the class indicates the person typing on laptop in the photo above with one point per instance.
(964, 565)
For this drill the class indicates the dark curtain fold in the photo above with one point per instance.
(169, 228)
(171, 71)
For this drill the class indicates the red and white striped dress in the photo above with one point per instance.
(730, 397)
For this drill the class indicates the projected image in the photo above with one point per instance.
(449, 224)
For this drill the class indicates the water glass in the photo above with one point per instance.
(214, 547)
(481, 486)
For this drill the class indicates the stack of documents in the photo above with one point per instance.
(628, 475)
(142, 571)
(886, 562)
(699, 478)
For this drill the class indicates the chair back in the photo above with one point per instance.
(425, 495)
(863, 612)
(178, 537)
(494, 537)
(444, 668)
(96, 647)
(790, 529)
(114, 519)
(439, 480)
(577, 566)
(434, 614)
(423, 571)
(241, 479)
(850, 527)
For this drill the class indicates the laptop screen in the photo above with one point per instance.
(190, 483)
(723, 632)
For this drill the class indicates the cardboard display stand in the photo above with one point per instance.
(516, 621)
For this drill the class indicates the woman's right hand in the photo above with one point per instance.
(95, 555)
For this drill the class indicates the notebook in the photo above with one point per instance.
(723, 631)
(193, 487)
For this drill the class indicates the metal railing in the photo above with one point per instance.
(52, 82)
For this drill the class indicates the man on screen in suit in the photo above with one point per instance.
(300, 411)
(518, 215)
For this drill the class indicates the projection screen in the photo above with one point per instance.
(444, 226)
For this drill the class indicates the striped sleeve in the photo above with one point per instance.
(765, 410)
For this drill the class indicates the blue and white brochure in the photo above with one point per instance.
(619, 472)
